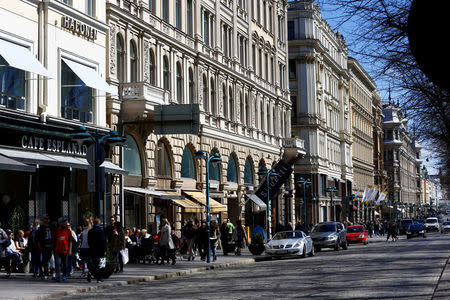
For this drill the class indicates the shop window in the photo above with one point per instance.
(163, 165)
(248, 172)
(232, 175)
(132, 157)
(76, 97)
(12, 86)
(120, 54)
(187, 164)
(133, 62)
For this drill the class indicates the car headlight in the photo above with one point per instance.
(333, 237)
(422, 231)
(408, 232)
(269, 246)
(361, 235)
(296, 245)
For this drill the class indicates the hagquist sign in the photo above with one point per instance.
(79, 28)
(52, 145)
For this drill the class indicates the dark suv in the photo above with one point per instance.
(329, 235)
(404, 225)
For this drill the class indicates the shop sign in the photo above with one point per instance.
(79, 28)
(52, 145)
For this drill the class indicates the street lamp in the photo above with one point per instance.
(332, 190)
(304, 182)
(213, 158)
(112, 138)
(263, 172)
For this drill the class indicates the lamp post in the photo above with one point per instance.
(332, 190)
(263, 172)
(112, 138)
(213, 158)
(304, 182)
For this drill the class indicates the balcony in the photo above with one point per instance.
(139, 100)
(294, 149)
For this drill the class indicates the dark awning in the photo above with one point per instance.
(7, 163)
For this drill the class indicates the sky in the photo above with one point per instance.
(330, 14)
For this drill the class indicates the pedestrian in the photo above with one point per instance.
(4, 243)
(190, 239)
(166, 243)
(33, 248)
(259, 230)
(62, 248)
(214, 238)
(224, 237)
(70, 258)
(240, 237)
(117, 244)
(84, 245)
(97, 249)
(45, 244)
(202, 240)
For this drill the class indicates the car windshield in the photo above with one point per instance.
(431, 221)
(404, 222)
(354, 229)
(288, 235)
(415, 226)
(420, 221)
(446, 223)
(324, 228)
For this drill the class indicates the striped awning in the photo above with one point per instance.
(214, 206)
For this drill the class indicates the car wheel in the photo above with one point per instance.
(312, 253)
(336, 246)
(345, 246)
(304, 252)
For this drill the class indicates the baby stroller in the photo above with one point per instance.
(99, 268)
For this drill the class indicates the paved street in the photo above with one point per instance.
(406, 269)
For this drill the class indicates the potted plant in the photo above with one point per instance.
(257, 246)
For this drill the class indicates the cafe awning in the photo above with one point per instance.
(9, 164)
(187, 205)
(89, 76)
(157, 194)
(215, 207)
(257, 201)
(21, 58)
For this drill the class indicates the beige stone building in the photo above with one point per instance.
(229, 59)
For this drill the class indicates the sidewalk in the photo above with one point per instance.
(24, 286)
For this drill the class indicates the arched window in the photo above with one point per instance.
(119, 53)
(191, 86)
(231, 101)
(131, 157)
(187, 164)
(163, 163)
(166, 73)
(214, 170)
(213, 96)
(205, 94)
(152, 68)
(179, 83)
(248, 172)
(133, 62)
(232, 173)
(225, 102)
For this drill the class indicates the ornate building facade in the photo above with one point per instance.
(229, 59)
(319, 83)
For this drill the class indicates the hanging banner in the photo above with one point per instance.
(275, 182)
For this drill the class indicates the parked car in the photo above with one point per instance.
(290, 243)
(445, 227)
(357, 234)
(404, 224)
(329, 235)
(415, 229)
(431, 223)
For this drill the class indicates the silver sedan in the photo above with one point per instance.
(290, 243)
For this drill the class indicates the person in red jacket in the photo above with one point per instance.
(62, 248)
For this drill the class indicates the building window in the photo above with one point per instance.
(12, 86)
(247, 111)
(270, 18)
(187, 164)
(189, 11)
(151, 6)
(120, 54)
(90, 7)
(248, 172)
(191, 86)
(179, 83)
(213, 96)
(163, 164)
(133, 62)
(232, 175)
(258, 11)
(225, 102)
(292, 69)
(291, 30)
(178, 14)
(242, 107)
(205, 94)
(323, 185)
(231, 97)
(165, 10)
(132, 157)
(166, 73)
(76, 97)
(152, 68)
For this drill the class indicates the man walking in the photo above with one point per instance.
(45, 244)
(63, 248)
(33, 247)
(97, 248)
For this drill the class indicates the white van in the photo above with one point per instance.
(432, 224)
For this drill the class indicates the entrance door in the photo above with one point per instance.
(323, 214)
(234, 210)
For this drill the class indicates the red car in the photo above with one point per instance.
(357, 234)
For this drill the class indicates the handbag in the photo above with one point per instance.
(125, 257)
(102, 263)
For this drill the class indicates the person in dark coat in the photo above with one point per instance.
(97, 247)
(45, 243)
(202, 240)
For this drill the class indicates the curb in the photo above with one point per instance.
(143, 279)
